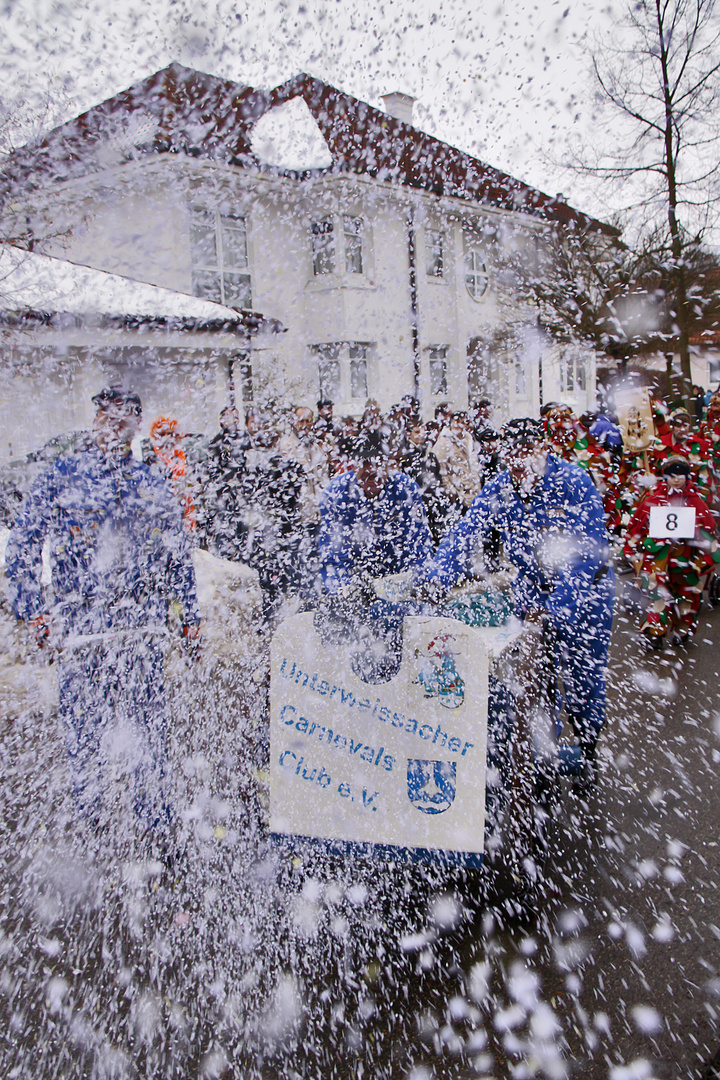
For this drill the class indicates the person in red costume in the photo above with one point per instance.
(710, 429)
(672, 572)
(681, 441)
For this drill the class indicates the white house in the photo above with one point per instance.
(66, 330)
(387, 254)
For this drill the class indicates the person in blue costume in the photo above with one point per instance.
(119, 558)
(372, 520)
(372, 525)
(550, 519)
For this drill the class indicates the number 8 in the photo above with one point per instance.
(672, 522)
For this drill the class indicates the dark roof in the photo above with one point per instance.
(364, 139)
(248, 323)
(185, 111)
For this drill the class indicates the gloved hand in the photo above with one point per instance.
(40, 627)
(431, 592)
(358, 593)
(191, 641)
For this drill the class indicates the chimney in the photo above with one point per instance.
(399, 105)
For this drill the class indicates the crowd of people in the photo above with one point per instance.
(323, 507)
(254, 492)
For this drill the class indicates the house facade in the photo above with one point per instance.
(390, 257)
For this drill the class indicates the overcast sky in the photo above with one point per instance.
(506, 81)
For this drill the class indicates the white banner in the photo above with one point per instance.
(399, 763)
(672, 522)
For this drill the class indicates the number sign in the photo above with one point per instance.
(672, 522)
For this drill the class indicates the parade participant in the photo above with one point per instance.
(222, 504)
(347, 441)
(570, 440)
(481, 416)
(119, 556)
(299, 445)
(166, 442)
(410, 408)
(710, 429)
(324, 424)
(672, 573)
(550, 519)
(605, 431)
(680, 441)
(372, 520)
(488, 440)
(459, 467)
(420, 464)
(372, 525)
(325, 432)
(272, 499)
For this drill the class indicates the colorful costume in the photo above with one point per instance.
(672, 574)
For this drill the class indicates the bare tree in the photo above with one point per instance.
(660, 75)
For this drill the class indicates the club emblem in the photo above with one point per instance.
(438, 675)
(431, 785)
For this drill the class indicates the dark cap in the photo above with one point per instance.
(524, 431)
(323, 403)
(488, 434)
(116, 395)
(676, 466)
(370, 445)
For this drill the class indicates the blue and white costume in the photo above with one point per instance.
(119, 556)
(380, 536)
(556, 539)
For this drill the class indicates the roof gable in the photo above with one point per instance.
(364, 139)
(179, 110)
(289, 137)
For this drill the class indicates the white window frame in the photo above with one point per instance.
(326, 250)
(353, 237)
(224, 266)
(475, 266)
(435, 252)
(350, 245)
(351, 357)
(522, 378)
(573, 373)
(437, 366)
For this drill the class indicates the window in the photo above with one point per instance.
(246, 378)
(476, 277)
(219, 257)
(573, 374)
(479, 370)
(521, 381)
(358, 371)
(438, 369)
(329, 371)
(323, 246)
(337, 246)
(343, 370)
(434, 253)
(352, 228)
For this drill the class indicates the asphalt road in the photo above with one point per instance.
(249, 963)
